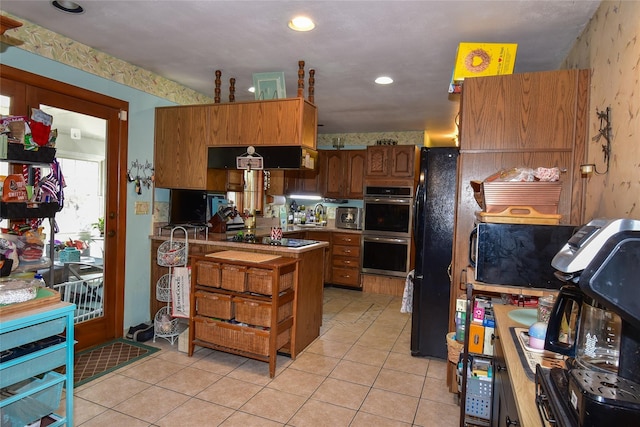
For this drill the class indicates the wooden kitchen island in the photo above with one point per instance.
(309, 276)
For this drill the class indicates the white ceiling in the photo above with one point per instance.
(414, 42)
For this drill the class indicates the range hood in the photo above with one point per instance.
(274, 157)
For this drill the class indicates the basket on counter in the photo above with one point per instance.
(496, 196)
(454, 348)
(172, 253)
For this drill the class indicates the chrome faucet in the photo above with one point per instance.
(319, 212)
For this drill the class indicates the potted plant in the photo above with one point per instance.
(99, 225)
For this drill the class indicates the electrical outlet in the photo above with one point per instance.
(142, 208)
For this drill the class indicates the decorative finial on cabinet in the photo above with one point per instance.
(312, 82)
(300, 79)
(216, 97)
(232, 89)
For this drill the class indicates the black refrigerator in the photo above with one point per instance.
(434, 208)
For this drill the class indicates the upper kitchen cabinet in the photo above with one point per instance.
(288, 121)
(342, 173)
(529, 111)
(391, 161)
(301, 182)
(180, 147)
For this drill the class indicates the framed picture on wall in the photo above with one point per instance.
(269, 85)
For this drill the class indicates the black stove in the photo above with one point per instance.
(284, 242)
(586, 398)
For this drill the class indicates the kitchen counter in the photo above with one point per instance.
(206, 238)
(524, 389)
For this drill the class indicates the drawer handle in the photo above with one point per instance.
(501, 368)
(511, 422)
(347, 251)
(542, 402)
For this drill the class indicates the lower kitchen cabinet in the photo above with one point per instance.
(345, 259)
(323, 236)
(244, 307)
(42, 340)
(504, 410)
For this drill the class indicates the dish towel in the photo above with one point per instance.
(407, 296)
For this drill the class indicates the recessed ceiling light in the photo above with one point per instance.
(252, 89)
(384, 80)
(301, 23)
(67, 6)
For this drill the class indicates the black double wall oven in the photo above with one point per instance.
(386, 236)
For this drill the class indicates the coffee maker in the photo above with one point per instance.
(596, 321)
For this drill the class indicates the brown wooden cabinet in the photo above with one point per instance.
(259, 296)
(345, 259)
(223, 180)
(342, 173)
(288, 121)
(301, 182)
(181, 137)
(323, 236)
(391, 161)
(276, 183)
(184, 133)
(535, 119)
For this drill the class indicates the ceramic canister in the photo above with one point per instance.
(276, 233)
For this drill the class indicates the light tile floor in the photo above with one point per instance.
(359, 372)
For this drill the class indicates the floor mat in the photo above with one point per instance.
(98, 361)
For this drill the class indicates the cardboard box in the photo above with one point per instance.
(484, 59)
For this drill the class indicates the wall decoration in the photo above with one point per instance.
(269, 85)
(140, 175)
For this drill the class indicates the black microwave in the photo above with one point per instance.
(517, 254)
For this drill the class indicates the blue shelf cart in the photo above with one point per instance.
(29, 380)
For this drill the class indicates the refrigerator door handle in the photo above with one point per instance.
(417, 213)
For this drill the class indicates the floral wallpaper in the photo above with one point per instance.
(610, 47)
(359, 140)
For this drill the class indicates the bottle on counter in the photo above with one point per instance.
(39, 280)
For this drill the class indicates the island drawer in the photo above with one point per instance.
(260, 281)
(233, 277)
(208, 274)
(211, 304)
(237, 337)
(258, 313)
